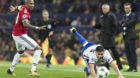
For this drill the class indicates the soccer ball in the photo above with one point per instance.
(102, 72)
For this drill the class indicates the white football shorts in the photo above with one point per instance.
(24, 41)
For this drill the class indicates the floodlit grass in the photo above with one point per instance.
(59, 71)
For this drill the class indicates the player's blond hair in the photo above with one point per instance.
(45, 10)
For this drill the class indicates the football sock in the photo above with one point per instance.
(33, 67)
(36, 58)
(48, 58)
(82, 40)
(86, 69)
(15, 61)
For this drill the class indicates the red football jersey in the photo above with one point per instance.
(23, 14)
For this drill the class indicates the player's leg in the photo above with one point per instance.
(14, 62)
(20, 48)
(86, 69)
(32, 45)
(82, 40)
(48, 57)
(36, 58)
(50, 52)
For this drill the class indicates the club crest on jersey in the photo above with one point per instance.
(24, 16)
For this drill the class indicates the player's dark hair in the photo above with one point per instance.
(127, 3)
(99, 49)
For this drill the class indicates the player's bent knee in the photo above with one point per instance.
(20, 52)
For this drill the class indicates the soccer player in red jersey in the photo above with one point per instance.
(22, 40)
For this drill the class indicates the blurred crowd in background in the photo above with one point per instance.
(67, 13)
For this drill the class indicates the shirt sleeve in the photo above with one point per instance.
(108, 57)
(24, 15)
(91, 59)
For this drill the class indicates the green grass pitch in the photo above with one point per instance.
(56, 71)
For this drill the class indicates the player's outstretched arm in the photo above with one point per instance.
(28, 25)
(16, 8)
(116, 69)
(92, 71)
(82, 40)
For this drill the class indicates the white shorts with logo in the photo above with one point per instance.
(24, 41)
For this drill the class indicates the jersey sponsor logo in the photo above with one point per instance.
(49, 26)
(109, 59)
(24, 16)
(92, 59)
(92, 50)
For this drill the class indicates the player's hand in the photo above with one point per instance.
(121, 76)
(96, 77)
(51, 33)
(12, 8)
(42, 27)
(39, 41)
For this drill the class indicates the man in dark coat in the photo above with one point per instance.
(108, 26)
(129, 36)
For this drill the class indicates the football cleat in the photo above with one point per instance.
(34, 73)
(10, 72)
(73, 30)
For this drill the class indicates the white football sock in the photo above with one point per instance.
(36, 58)
(15, 61)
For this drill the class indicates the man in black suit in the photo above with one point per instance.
(108, 26)
(129, 36)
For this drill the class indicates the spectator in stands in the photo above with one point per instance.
(3, 2)
(58, 7)
(35, 21)
(87, 10)
(17, 2)
(3, 9)
(4, 34)
(4, 22)
(91, 36)
(57, 20)
(84, 33)
(44, 6)
(71, 9)
(93, 21)
(76, 22)
(75, 53)
(67, 21)
(117, 7)
(78, 8)
(86, 22)
(75, 8)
